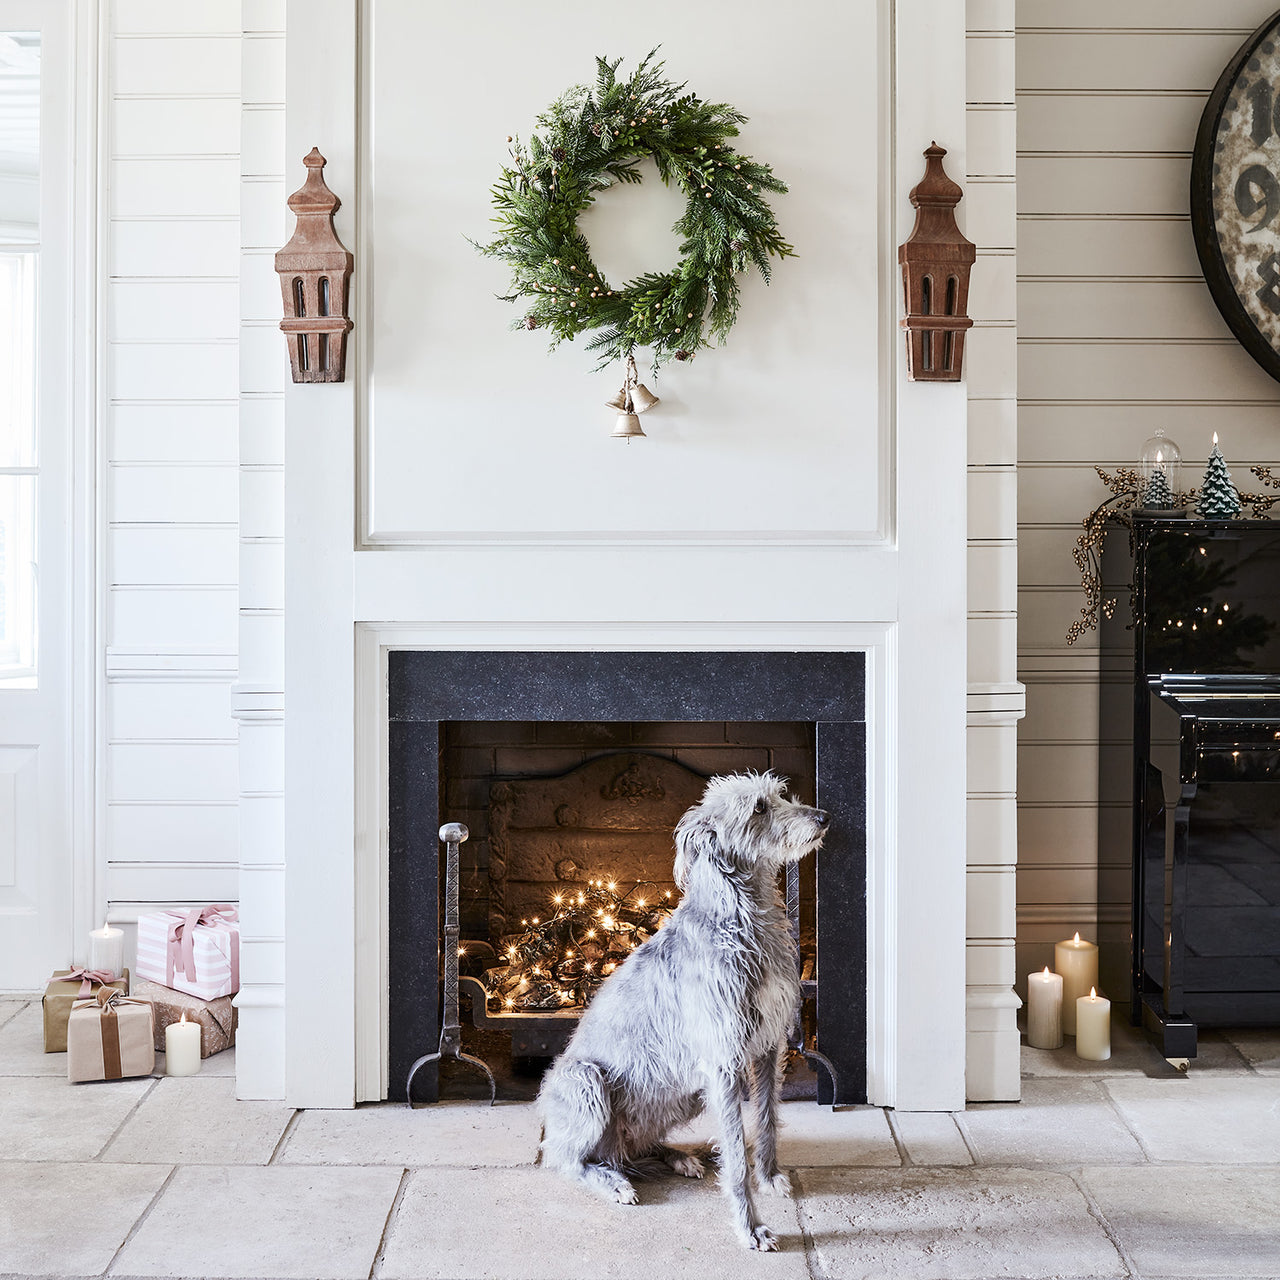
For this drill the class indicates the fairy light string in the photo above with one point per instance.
(559, 960)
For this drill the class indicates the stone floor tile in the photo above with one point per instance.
(68, 1219)
(452, 1133)
(1132, 1054)
(952, 1224)
(22, 1046)
(1260, 1047)
(197, 1120)
(812, 1135)
(1194, 1221)
(242, 1221)
(1204, 1121)
(8, 1007)
(931, 1138)
(1057, 1122)
(531, 1224)
(54, 1120)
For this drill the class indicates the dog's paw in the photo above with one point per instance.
(763, 1240)
(778, 1185)
(688, 1166)
(626, 1194)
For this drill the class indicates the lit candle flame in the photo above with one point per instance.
(1093, 993)
(1215, 439)
(184, 1016)
(1046, 971)
(1076, 940)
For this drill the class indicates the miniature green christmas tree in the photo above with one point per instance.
(1218, 497)
(1159, 493)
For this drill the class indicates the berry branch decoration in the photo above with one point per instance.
(1126, 491)
(592, 138)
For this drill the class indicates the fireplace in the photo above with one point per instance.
(491, 738)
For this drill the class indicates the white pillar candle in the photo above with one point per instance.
(1077, 962)
(1044, 1010)
(1093, 1027)
(182, 1047)
(106, 949)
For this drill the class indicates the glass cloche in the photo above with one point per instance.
(1160, 472)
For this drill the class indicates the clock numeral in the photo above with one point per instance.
(1262, 106)
(1269, 293)
(1249, 204)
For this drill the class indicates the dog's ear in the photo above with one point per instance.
(695, 838)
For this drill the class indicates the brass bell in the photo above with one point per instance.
(643, 398)
(619, 401)
(626, 427)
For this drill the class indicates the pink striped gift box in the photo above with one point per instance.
(196, 950)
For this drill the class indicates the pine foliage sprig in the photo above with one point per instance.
(593, 138)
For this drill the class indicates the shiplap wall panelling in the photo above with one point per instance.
(258, 696)
(995, 698)
(171, 119)
(1117, 336)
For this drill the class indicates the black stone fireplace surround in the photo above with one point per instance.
(428, 687)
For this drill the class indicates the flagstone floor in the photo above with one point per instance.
(1117, 1169)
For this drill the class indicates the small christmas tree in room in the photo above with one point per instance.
(1159, 493)
(1218, 497)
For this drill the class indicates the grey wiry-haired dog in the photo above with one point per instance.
(697, 1015)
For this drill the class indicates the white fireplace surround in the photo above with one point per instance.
(889, 581)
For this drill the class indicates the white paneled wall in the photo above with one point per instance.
(171, 130)
(995, 697)
(258, 695)
(1117, 336)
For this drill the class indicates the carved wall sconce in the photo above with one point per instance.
(936, 260)
(314, 269)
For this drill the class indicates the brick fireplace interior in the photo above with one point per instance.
(567, 765)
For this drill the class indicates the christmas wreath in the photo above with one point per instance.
(588, 140)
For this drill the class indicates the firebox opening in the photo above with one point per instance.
(569, 862)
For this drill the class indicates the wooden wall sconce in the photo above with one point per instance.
(314, 269)
(935, 260)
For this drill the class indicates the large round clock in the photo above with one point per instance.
(1235, 194)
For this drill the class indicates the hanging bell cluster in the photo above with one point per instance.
(632, 399)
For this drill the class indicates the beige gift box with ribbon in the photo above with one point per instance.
(64, 989)
(110, 1036)
(215, 1018)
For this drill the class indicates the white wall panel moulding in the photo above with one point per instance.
(191, 66)
(190, 663)
(175, 188)
(175, 128)
(1137, 58)
(161, 248)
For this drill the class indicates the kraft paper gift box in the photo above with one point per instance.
(64, 989)
(216, 1018)
(110, 1036)
(196, 950)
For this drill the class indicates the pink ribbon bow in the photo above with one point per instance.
(182, 940)
(87, 978)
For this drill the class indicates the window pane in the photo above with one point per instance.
(17, 358)
(17, 574)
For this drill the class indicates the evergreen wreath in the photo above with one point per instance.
(593, 137)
